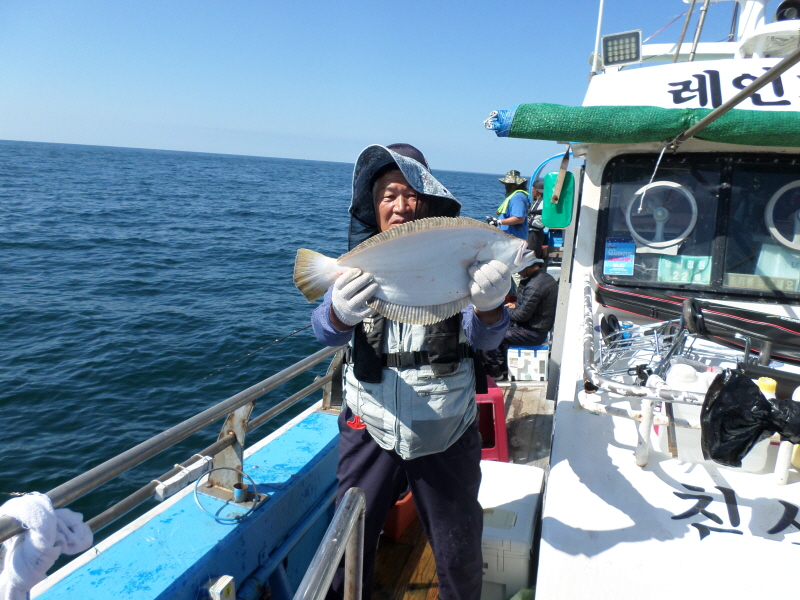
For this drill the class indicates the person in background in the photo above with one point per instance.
(408, 419)
(532, 317)
(536, 235)
(512, 214)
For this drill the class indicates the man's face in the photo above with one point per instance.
(396, 202)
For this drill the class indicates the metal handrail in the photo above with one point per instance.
(345, 536)
(143, 494)
(94, 478)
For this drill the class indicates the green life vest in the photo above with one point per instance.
(504, 206)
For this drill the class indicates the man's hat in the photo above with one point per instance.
(538, 185)
(513, 177)
(414, 167)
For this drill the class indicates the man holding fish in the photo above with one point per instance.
(410, 381)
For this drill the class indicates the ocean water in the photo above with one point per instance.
(139, 287)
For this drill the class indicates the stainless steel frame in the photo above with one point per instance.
(345, 536)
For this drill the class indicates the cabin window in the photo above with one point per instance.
(763, 249)
(723, 225)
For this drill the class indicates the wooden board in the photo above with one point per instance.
(405, 569)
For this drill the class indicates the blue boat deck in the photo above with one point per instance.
(174, 549)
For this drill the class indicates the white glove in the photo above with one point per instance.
(490, 284)
(350, 294)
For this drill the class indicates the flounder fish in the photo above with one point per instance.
(421, 266)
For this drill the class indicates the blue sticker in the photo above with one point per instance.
(620, 254)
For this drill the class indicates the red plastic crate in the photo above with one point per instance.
(492, 423)
(400, 516)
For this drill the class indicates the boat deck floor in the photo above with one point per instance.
(404, 568)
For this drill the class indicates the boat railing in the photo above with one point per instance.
(651, 348)
(223, 456)
(345, 536)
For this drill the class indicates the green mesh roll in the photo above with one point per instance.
(638, 124)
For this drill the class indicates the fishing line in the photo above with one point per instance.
(653, 176)
(664, 27)
(257, 351)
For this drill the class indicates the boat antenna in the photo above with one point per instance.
(683, 32)
(257, 351)
(596, 64)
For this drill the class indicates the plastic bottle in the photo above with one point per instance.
(796, 452)
(685, 378)
(767, 385)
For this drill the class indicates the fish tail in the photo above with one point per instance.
(523, 258)
(314, 273)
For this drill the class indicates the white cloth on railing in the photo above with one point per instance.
(49, 533)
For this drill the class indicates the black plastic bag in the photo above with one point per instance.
(736, 415)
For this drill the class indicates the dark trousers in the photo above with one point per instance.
(445, 487)
(496, 361)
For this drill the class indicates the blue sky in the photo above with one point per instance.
(304, 79)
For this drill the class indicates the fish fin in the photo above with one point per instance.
(419, 225)
(314, 273)
(418, 315)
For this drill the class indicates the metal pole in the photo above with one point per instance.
(643, 434)
(596, 65)
(348, 521)
(699, 29)
(88, 481)
(734, 21)
(768, 77)
(354, 560)
(683, 33)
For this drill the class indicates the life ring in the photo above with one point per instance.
(770, 220)
(661, 216)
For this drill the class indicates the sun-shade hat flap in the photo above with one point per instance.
(371, 160)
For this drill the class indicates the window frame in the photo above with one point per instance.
(715, 289)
